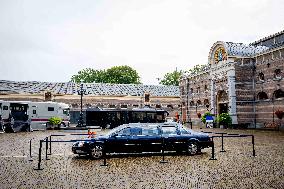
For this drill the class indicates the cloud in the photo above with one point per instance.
(52, 40)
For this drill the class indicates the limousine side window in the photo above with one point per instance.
(169, 130)
(151, 131)
(184, 131)
(124, 132)
(130, 132)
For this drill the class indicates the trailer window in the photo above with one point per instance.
(50, 109)
(66, 111)
(34, 111)
(5, 107)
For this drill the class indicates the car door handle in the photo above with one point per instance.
(128, 144)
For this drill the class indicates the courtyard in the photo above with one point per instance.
(235, 168)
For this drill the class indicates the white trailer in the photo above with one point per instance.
(26, 115)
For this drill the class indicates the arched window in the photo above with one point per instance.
(278, 94)
(262, 96)
(261, 76)
(191, 103)
(199, 103)
(206, 102)
(205, 87)
(198, 90)
(191, 90)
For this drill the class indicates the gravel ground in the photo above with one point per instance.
(236, 168)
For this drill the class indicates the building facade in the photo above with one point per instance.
(101, 95)
(245, 81)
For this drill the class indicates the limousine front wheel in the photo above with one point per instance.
(97, 151)
(192, 148)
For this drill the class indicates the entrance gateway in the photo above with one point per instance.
(223, 86)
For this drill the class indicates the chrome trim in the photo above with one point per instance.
(129, 144)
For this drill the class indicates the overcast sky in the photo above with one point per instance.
(51, 40)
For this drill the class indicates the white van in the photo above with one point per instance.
(27, 116)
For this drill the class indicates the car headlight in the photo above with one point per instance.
(75, 144)
(81, 144)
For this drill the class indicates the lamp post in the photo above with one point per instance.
(81, 92)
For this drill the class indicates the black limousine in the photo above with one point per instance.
(146, 137)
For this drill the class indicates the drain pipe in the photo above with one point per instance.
(253, 86)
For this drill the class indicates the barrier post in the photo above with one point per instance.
(49, 145)
(222, 150)
(212, 153)
(163, 150)
(31, 158)
(253, 151)
(39, 156)
(104, 155)
(46, 148)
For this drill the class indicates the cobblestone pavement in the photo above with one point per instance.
(236, 168)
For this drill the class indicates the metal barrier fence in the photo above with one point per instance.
(48, 141)
(230, 135)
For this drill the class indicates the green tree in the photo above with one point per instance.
(172, 78)
(89, 75)
(116, 74)
(122, 75)
(197, 68)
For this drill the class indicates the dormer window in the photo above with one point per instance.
(261, 76)
(277, 74)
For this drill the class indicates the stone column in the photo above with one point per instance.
(232, 95)
(213, 99)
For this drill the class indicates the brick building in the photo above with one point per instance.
(245, 81)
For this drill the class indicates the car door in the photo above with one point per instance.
(134, 143)
(119, 141)
(150, 139)
(171, 137)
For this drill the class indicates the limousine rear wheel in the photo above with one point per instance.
(97, 151)
(192, 148)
